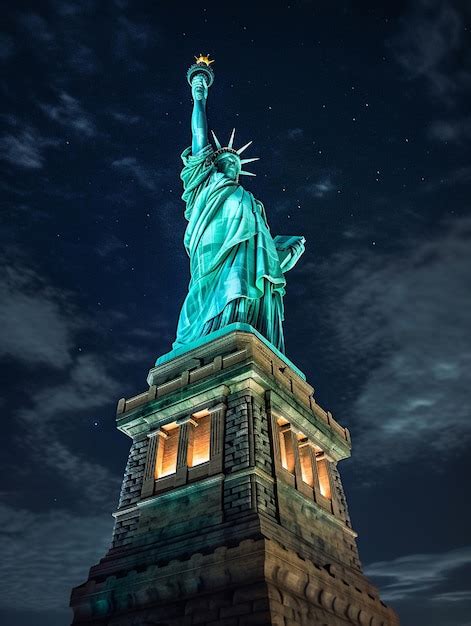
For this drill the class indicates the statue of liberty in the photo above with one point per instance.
(237, 267)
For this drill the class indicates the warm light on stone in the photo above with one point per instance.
(305, 459)
(166, 462)
(324, 482)
(201, 441)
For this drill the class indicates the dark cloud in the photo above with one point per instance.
(295, 133)
(45, 554)
(409, 313)
(110, 245)
(7, 47)
(432, 44)
(37, 28)
(83, 60)
(39, 327)
(37, 320)
(130, 166)
(131, 38)
(453, 178)
(88, 385)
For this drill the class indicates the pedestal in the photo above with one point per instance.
(232, 510)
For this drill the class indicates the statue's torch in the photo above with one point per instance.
(201, 67)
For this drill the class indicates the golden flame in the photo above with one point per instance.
(204, 58)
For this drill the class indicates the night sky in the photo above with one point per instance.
(360, 112)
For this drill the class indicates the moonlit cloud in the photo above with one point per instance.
(142, 174)
(420, 575)
(24, 147)
(411, 315)
(69, 113)
(125, 118)
(454, 130)
(321, 188)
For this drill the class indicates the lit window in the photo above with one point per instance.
(323, 472)
(166, 462)
(305, 460)
(286, 447)
(200, 441)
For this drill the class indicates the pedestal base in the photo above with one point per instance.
(256, 582)
(255, 532)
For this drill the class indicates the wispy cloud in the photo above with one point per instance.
(131, 37)
(110, 245)
(453, 131)
(420, 575)
(125, 118)
(453, 596)
(142, 174)
(38, 29)
(458, 176)
(431, 44)
(408, 314)
(24, 148)
(320, 188)
(69, 113)
(295, 133)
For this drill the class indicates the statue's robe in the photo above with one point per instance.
(235, 268)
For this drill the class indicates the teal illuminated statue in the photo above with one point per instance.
(237, 267)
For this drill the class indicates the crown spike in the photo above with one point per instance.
(240, 150)
(247, 173)
(249, 160)
(231, 139)
(216, 140)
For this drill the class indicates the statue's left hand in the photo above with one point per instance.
(289, 255)
(298, 247)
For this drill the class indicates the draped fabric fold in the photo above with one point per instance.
(235, 267)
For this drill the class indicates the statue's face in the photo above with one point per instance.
(229, 165)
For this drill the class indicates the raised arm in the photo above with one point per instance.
(199, 123)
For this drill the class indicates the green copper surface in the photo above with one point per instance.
(237, 267)
(220, 333)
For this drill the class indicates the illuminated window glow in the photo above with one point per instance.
(324, 482)
(166, 462)
(199, 444)
(286, 447)
(305, 460)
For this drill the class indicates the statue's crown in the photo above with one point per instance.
(220, 150)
